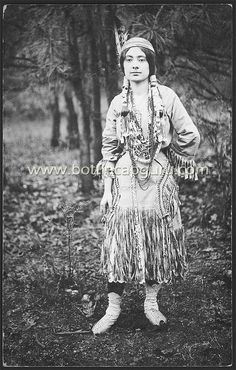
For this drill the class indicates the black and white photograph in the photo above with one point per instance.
(117, 184)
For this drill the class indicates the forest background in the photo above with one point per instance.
(60, 73)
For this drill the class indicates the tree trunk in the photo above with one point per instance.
(97, 127)
(79, 89)
(56, 120)
(85, 162)
(112, 74)
(72, 126)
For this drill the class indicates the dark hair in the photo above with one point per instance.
(151, 59)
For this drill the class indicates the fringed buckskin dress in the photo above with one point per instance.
(144, 235)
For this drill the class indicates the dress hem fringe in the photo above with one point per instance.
(162, 249)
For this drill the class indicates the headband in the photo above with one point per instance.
(139, 42)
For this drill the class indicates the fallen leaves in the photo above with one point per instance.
(36, 278)
(164, 353)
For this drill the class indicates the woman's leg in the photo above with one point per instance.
(116, 288)
(151, 308)
(115, 291)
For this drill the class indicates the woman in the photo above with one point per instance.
(148, 134)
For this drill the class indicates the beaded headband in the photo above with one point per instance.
(137, 42)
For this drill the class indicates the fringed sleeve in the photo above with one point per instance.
(185, 142)
(110, 144)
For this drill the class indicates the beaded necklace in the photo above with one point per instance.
(141, 149)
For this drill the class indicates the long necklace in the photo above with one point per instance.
(150, 142)
(152, 147)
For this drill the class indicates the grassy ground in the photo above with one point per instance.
(40, 301)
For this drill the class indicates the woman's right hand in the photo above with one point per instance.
(106, 202)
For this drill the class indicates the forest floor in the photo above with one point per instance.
(40, 302)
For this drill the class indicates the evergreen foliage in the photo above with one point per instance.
(47, 46)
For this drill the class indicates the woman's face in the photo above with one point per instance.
(136, 66)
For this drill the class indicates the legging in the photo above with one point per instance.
(119, 287)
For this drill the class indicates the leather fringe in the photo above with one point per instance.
(181, 163)
(163, 247)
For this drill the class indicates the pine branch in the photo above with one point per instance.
(203, 88)
(198, 70)
(24, 58)
(219, 59)
(157, 15)
(74, 332)
(23, 66)
(8, 22)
